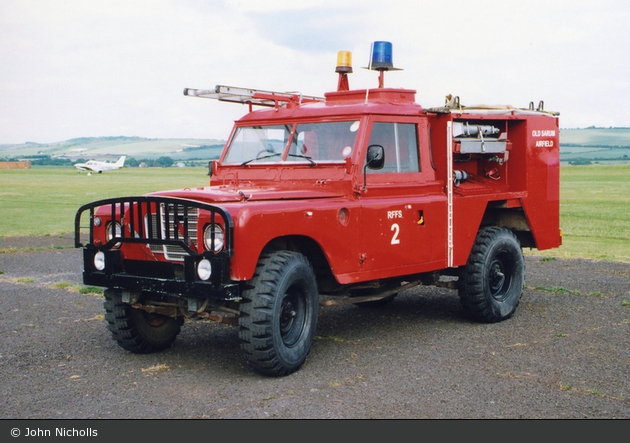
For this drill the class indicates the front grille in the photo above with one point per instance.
(174, 218)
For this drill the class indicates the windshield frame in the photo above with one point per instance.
(253, 144)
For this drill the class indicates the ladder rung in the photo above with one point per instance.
(253, 96)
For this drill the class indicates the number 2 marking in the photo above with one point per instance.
(396, 229)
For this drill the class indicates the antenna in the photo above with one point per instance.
(367, 90)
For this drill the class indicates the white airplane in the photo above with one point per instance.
(97, 166)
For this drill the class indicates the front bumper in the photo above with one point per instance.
(174, 279)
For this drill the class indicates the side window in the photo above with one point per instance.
(327, 141)
(400, 142)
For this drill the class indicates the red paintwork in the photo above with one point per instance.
(529, 179)
(271, 200)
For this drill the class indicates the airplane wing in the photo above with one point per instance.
(84, 167)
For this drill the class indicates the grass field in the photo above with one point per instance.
(594, 213)
(44, 201)
(595, 202)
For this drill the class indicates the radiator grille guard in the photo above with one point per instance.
(169, 218)
(167, 225)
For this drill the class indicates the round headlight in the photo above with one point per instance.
(204, 269)
(117, 230)
(99, 261)
(213, 232)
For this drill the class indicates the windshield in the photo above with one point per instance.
(257, 143)
(311, 142)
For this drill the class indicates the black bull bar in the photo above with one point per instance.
(165, 277)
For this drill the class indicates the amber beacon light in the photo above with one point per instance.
(344, 67)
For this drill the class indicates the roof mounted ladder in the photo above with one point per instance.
(251, 96)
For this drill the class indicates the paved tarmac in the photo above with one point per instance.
(564, 354)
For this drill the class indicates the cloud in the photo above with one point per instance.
(90, 68)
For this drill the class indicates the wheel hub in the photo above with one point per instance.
(292, 316)
(287, 316)
(497, 278)
(155, 320)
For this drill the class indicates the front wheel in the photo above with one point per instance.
(491, 282)
(136, 330)
(279, 314)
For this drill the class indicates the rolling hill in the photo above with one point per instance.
(110, 148)
(602, 145)
(577, 146)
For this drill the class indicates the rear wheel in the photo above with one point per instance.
(136, 330)
(279, 314)
(491, 282)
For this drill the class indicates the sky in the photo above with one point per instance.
(91, 68)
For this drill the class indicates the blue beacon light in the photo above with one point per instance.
(381, 59)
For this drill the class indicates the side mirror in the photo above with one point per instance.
(212, 167)
(375, 158)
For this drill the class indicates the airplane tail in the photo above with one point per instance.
(121, 161)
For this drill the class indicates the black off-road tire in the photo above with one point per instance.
(491, 283)
(136, 330)
(279, 312)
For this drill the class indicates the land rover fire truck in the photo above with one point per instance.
(352, 197)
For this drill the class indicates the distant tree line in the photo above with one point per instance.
(604, 127)
(593, 145)
(160, 162)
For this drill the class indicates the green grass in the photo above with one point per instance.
(594, 213)
(91, 290)
(44, 201)
(594, 203)
(557, 290)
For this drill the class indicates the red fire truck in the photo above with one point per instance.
(353, 197)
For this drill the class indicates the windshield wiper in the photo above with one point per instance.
(305, 157)
(274, 154)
